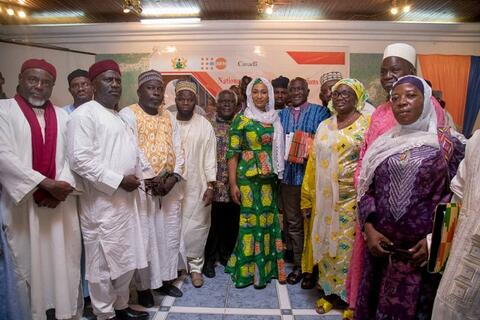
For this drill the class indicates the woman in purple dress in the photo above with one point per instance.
(405, 174)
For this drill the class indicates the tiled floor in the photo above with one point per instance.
(218, 299)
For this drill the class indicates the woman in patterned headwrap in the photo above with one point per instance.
(255, 162)
(328, 193)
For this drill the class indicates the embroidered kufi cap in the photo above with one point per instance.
(148, 76)
(329, 76)
(185, 85)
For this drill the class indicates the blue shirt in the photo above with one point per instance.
(308, 121)
(70, 108)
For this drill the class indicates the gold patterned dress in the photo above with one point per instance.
(328, 189)
(257, 257)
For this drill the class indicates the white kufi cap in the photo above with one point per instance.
(401, 50)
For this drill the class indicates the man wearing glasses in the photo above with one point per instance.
(39, 211)
(80, 87)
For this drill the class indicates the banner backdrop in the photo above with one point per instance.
(216, 68)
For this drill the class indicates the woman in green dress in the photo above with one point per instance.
(255, 162)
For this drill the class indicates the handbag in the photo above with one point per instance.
(444, 224)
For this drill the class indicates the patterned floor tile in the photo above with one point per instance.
(250, 297)
(301, 298)
(212, 294)
(250, 317)
(320, 317)
(193, 316)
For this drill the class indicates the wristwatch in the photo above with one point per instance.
(177, 177)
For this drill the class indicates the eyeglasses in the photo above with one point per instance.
(34, 81)
(344, 94)
(77, 86)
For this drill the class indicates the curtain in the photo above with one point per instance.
(473, 97)
(449, 74)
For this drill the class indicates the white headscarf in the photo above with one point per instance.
(269, 116)
(400, 139)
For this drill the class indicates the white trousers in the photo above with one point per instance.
(142, 279)
(110, 295)
(195, 264)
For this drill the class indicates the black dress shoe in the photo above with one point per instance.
(88, 312)
(209, 270)
(169, 289)
(145, 298)
(288, 256)
(50, 313)
(295, 276)
(224, 261)
(308, 281)
(130, 314)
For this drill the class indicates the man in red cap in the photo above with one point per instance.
(39, 209)
(103, 151)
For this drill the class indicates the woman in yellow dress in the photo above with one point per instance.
(328, 192)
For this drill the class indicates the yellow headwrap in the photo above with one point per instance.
(357, 87)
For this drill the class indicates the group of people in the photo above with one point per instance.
(97, 198)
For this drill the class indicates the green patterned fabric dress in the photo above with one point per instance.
(257, 257)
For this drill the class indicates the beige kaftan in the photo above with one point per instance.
(199, 145)
(458, 296)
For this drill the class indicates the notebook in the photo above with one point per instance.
(444, 224)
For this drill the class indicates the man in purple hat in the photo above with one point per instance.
(102, 150)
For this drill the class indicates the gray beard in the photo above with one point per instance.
(36, 102)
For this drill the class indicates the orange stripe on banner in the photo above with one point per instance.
(207, 81)
(315, 57)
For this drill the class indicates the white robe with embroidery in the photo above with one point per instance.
(45, 242)
(161, 223)
(200, 149)
(102, 150)
(458, 297)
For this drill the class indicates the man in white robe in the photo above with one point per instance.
(158, 137)
(199, 146)
(103, 151)
(458, 296)
(40, 217)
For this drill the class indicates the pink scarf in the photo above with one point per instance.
(43, 153)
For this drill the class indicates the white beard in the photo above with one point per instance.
(36, 102)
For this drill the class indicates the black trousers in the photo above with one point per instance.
(223, 231)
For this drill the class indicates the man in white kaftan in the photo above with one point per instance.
(158, 137)
(43, 235)
(103, 151)
(458, 296)
(199, 146)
